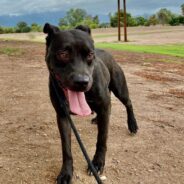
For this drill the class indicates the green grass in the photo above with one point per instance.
(11, 51)
(173, 50)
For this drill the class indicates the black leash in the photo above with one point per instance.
(62, 101)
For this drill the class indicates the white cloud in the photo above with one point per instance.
(11, 7)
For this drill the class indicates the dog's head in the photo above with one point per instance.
(70, 55)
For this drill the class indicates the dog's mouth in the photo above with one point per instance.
(76, 98)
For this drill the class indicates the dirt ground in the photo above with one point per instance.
(30, 151)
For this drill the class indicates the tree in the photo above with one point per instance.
(181, 19)
(73, 16)
(90, 22)
(35, 27)
(96, 19)
(175, 21)
(76, 17)
(152, 21)
(182, 9)
(114, 19)
(1, 30)
(140, 21)
(22, 27)
(164, 16)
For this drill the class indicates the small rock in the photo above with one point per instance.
(103, 178)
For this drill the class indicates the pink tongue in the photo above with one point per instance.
(77, 103)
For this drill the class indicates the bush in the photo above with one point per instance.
(140, 21)
(8, 30)
(152, 20)
(1, 30)
(181, 19)
(22, 27)
(131, 21)
(174, 21)
(36, 28)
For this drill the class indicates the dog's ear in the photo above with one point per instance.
(84, 28)
(50, 29)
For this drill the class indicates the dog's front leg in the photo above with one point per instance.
(66, 173)
(101, 147)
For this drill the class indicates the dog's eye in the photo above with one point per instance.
(90, 56)
(63, 56)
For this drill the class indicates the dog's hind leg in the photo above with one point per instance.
(119, 87)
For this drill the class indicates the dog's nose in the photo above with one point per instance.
(82, 80)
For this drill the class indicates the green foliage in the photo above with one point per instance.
(4, 30)
(131, 21)
(22, 27)
(174, 21)
(181, 19)
(114, 19)
(96, 20)
(90, 22)
(79, 16)
(36, 28)
(164, 16)
(73, 17)
(182, 9)
(76, 17)
(1, 30)
(152, 21)
(177, 20)
(140, 21)
(174, 50)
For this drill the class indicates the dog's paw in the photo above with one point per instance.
(132, 126)
(98, 164)
(65, 177)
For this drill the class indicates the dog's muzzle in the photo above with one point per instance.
(76, 99)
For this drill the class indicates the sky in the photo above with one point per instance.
(136, 7)
(41, 11)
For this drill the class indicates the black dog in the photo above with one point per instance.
(77, 66)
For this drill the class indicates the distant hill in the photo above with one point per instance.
(39, 18)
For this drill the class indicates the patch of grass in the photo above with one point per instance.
(11, 51)
(173, 50)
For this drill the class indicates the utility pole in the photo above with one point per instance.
(119, 22)
(125, 21)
